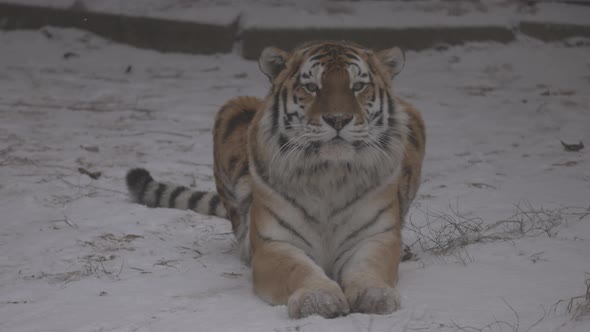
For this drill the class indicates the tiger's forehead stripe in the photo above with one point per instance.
(317, 65)
(327, 54)
(312, 70)
(352, 56)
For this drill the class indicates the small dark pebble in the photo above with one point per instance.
(572, 147)
(68, 55)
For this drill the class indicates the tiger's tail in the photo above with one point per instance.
(145, 190)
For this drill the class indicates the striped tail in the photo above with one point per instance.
(145, 190)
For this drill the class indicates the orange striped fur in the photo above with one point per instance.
(317, 177)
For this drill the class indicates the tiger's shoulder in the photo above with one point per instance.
(414, 139)
(230, 162)
(230, 130)
(416, 130)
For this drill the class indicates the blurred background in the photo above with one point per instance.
(221, 26)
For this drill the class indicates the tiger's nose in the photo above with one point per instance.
(337, 121)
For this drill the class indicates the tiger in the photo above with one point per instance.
(316, 178)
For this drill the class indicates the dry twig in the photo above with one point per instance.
(579, 306)
(444, 233)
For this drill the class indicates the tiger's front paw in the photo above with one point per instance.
(374, 300)
(328, 302)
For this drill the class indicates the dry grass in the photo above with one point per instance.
(579, 306)
(445, 233)
(512, 325)
(90, 265)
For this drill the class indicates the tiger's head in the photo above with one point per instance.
(331, 102)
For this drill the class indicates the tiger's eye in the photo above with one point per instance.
(311, 87)
(359, 86)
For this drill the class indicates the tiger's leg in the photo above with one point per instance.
(284, 274)
(369, 275)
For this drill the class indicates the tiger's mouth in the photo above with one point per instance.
(338, 140)
(337, 148)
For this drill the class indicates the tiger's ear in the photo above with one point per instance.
(393, 59)
(272, 61)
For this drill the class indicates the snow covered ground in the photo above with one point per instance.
(335, 13)
(76, 255)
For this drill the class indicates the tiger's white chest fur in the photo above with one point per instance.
(341, 215)
(333, 209)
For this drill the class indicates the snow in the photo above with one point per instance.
(333, 13)
(564, 14)
(193, 11)
(78, 256)
(375, 14)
